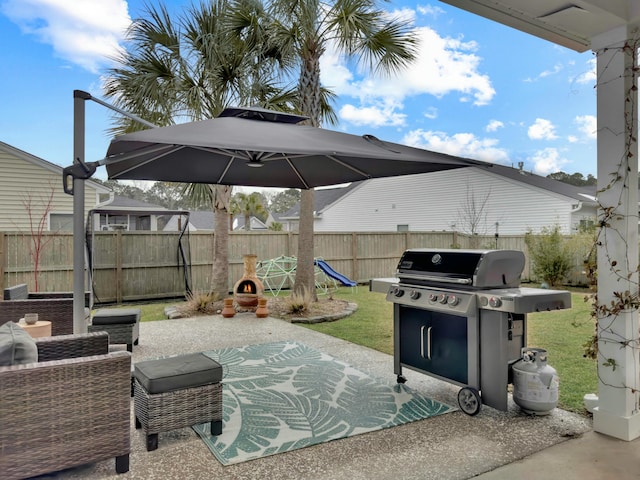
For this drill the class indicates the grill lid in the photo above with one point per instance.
(471, 268)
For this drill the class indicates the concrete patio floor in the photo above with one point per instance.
(451, 446)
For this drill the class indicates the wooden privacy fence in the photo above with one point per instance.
(130, 266)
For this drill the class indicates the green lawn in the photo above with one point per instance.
(561, 333)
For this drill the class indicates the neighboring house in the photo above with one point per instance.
(123, 213)
(323, 198)
(499, 199)
(255, 224)
(26, 178)
(203, 221)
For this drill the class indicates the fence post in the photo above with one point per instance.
(118, 266)
(3, 258)
(354, 256)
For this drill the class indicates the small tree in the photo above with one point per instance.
(550, 253)
(38, 210)
(472, 215)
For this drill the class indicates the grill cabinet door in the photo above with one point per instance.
(434, 342)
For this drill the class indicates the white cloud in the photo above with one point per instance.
(460, 144)
(590, 75)
(374, 116)
(587, 125)
(547, 161)
(444, 66)
(81, 32)
(546, 73)
(494, 125)
(542, 129)
(430, 10)
(431, 113)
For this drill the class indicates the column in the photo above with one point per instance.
(617, 413)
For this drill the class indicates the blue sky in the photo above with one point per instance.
(478, 89)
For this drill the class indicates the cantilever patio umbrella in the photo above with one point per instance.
(251, 147)
(260, 148)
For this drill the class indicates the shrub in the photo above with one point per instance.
(299, 302)
(551, 255)
(198, 302)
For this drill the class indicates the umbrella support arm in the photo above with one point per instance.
(73, 178)
(80, 169)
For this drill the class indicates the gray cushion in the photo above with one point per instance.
(16, 345)
(18, 292)
(114, 316)
(175, 373)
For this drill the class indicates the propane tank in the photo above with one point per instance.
(535, 384)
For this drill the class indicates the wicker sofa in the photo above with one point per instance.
(57, 307)
(70, 408)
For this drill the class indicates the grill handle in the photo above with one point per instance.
(428, 357)
(430, 278)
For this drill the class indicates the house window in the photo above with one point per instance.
(61, 222)
(402, 228)
(114, 222)
(586, 225)
(142, 222)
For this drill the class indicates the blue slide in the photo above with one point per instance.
(330, 272)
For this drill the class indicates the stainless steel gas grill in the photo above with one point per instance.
(459, 316)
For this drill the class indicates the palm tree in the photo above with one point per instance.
(248, 204)
(304, 29)
(191, 69)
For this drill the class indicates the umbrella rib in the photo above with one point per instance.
(226, 168)
(141, 152)
(350, 167)
(295, 170)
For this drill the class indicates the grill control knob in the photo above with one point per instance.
(453, 300)
(442, 298)
(495, 302)
(414, 294)
(398, 292)
(433, 298)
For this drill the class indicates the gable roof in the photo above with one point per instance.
(586, 193)
(204, 220)
(126, 203)
(324, 198)
(52, 167)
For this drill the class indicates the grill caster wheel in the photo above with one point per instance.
(401, 379)
(469, 401)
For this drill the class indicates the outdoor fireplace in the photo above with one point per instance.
(249, 288)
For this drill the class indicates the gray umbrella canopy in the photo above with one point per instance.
(256, 147)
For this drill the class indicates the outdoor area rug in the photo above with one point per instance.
(282, 396)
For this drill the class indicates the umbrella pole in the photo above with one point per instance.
(79, 322)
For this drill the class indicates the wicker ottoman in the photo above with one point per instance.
(122, 325)
(177, 392)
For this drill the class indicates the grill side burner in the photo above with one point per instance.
(459, 317)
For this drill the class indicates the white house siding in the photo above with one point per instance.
(21, 179)
(434, 202)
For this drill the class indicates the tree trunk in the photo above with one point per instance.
(309, 87)
(305, 270)
(220, 270)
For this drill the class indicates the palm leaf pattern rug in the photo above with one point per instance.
(283, 396)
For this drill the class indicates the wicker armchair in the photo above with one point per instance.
(56, 307)
(69, 409)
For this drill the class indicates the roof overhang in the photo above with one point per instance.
(572, 24)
